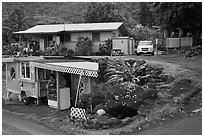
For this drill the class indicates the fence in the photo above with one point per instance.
(175, 42)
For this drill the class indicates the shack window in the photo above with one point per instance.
(25, 70)
(95, 36)
(12, 73)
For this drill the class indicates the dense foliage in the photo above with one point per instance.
(84, 46)
(10, 50)
(127, 84)
(145, 15)
(105, 49)
(102, 12)
(177, 14)
(16, 21)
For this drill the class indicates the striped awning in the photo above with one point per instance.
(89, 68)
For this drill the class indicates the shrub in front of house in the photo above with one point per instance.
(50, 51)
(84, 46)
(66, 52)
(105, 49)
(10, 49)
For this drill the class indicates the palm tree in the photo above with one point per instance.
(17, 21)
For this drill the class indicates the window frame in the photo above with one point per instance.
(25, 64)
(97, 34)
(12, 73)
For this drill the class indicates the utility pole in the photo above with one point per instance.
(156, 46)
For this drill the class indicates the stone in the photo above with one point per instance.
(101, 112)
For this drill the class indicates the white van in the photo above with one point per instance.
(145, 47)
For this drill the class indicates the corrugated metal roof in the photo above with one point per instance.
(43, 29)
(89, 68)
(80, 65)
(72, 27)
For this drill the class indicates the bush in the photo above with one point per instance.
(50, 51)
(10, 50)
(66, 52)
(102, 69)
(93, 99)
(84, 46)
(105, 49)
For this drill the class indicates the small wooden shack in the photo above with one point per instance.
(29, 76)
(124, 44)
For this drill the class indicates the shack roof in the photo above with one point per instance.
(74, 65)
(54, 28)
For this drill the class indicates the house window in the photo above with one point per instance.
(67, 37)
(95, 36)
(25, 70)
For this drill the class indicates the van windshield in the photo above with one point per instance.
(145, 43)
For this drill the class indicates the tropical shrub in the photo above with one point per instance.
(103, 63)
(126, 74)
(50, 51)
(66, 52)
(105, 49)
(10, 50)
(84, 46)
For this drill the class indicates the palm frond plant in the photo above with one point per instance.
(126, 74)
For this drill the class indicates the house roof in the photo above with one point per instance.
(72, 27)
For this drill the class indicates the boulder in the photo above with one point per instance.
(101, 112)
(99, 106)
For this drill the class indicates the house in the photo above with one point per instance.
(182, 37)
(29, 78)
(66, 35)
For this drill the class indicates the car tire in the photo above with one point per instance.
(25, 99)
(152, 53)
(138, 54)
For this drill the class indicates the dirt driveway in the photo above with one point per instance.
(191, 63)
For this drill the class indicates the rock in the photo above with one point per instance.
(99, 106)
(101, 112)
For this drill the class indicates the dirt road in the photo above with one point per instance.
(187, 126)
(16, 125)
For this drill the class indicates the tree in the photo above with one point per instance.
(102, 12)
(16, 21)
(178, 14)
(145, 15)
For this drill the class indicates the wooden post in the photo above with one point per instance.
(57, 89)
(156, 46)
(77, 94)
(6, 76)
(37, 85)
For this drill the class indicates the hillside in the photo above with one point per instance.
(63, 12)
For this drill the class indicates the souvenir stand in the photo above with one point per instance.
(63, 95)
(30, 77)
